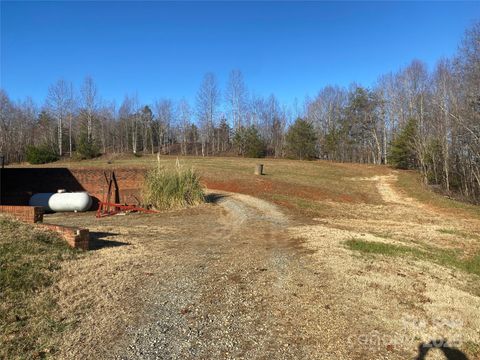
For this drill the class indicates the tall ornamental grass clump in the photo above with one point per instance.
(175, 187)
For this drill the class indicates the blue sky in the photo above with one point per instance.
(161, 49)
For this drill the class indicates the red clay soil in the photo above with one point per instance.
(259, 187)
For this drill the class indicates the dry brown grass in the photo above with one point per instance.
(328, 205)
(106, 291)
(402, 283)
(307, 181)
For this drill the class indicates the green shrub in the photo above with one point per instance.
(87, 148)
(172, 188)
(41, 154)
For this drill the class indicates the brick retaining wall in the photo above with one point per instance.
(75, 237)
(129, 181)
(28, 214)
(19, 184)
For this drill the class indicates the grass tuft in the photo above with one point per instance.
(175, 187)
(29, 260)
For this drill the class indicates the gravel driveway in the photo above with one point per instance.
(245, 289)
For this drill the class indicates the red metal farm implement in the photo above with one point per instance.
(107, 207)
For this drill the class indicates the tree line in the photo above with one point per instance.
(412, 118)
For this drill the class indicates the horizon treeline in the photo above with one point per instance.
(412, 118)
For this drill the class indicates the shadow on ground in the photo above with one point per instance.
(98, 241)
(214, 198)
(450, 353)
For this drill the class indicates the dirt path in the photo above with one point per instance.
(239, 279)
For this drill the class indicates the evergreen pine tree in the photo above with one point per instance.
(301, 140)
(402, 149)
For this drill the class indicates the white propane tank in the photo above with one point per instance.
(41, 199)
(70, 201)
(62, 201)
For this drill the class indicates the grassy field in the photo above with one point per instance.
(29, 264)
(298, 185)
(367, 225)
(307, 189)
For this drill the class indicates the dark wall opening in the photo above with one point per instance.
(17, 185)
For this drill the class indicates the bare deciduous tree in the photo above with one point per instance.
(90, 104)
(236, 98)
(208, 98)
(59, 104)
(183, 121)
(164, 114)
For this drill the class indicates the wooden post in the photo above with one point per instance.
(258, 169)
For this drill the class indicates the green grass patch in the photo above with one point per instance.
(449, 258)
(373, 247)
(29, 260)
(175, 187)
